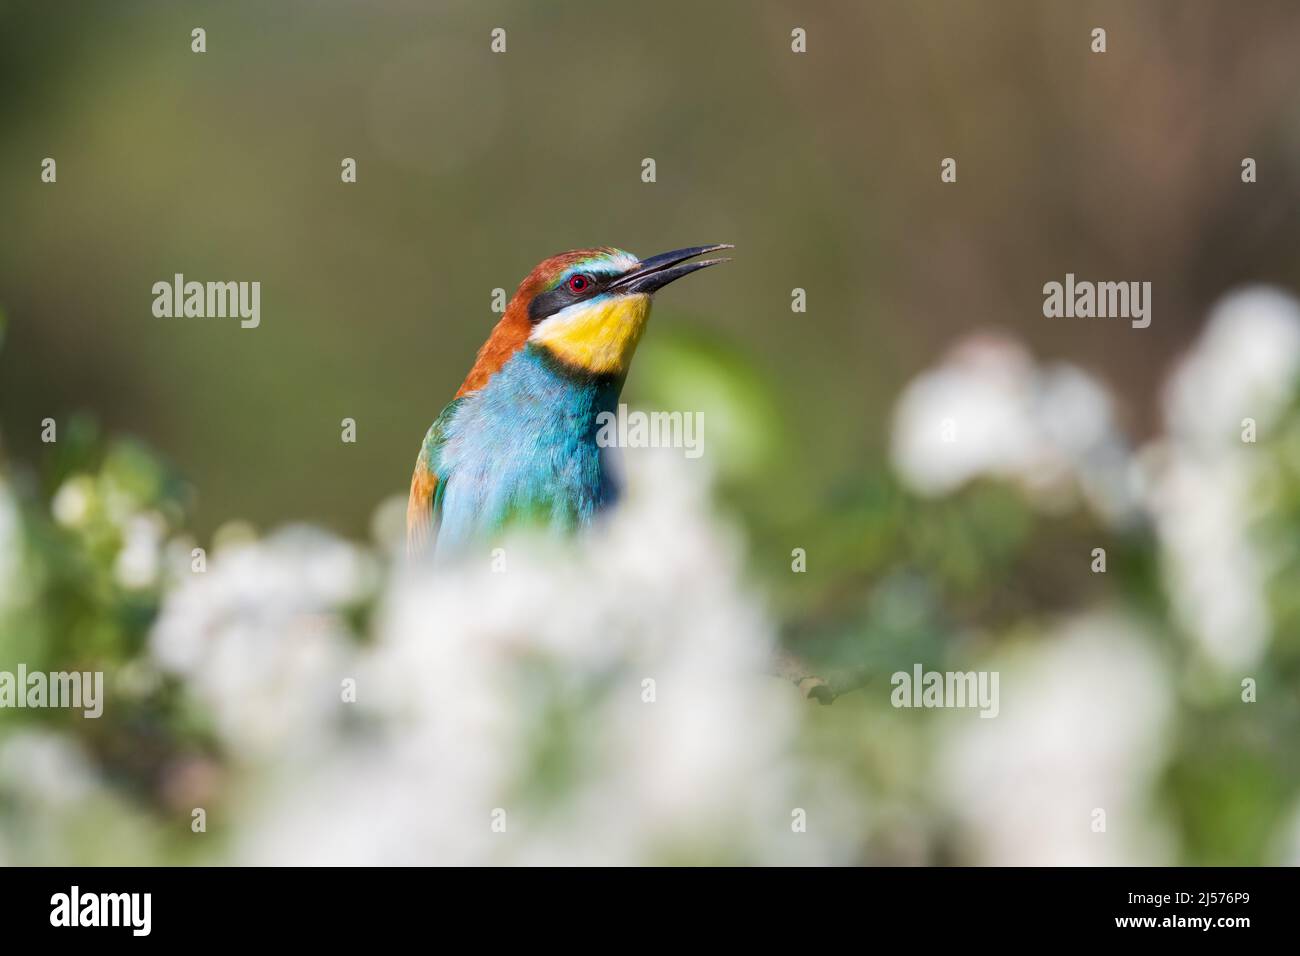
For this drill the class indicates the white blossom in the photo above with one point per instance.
(524, 691)
(989, 410)
(261, 638)
(11, 548)
(139, 560)
(1204, 484)
(1082, 727)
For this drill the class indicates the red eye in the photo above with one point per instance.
(579, 283)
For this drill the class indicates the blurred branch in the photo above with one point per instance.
(823, 687)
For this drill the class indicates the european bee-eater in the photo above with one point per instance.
(518, 441)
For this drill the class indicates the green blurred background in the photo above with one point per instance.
(822, 168)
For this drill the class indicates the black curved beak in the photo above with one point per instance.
(656, 272)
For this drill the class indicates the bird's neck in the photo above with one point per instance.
(536, 383)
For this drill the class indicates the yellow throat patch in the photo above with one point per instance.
(598, 336)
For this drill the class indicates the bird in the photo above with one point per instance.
(518, 442)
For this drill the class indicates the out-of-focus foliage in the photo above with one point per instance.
(519, 694)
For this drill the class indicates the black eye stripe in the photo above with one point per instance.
(548, 303)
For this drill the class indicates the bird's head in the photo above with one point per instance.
(586, 308)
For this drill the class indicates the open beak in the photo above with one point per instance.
(657, 271)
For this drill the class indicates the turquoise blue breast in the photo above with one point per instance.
(523, 448)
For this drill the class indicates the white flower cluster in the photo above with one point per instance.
(604, 704)
(11, 546)
(1206, 484)
(261, 640)
(1065, 775)
(1084, 711)
(989, 409)
(81, 498)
